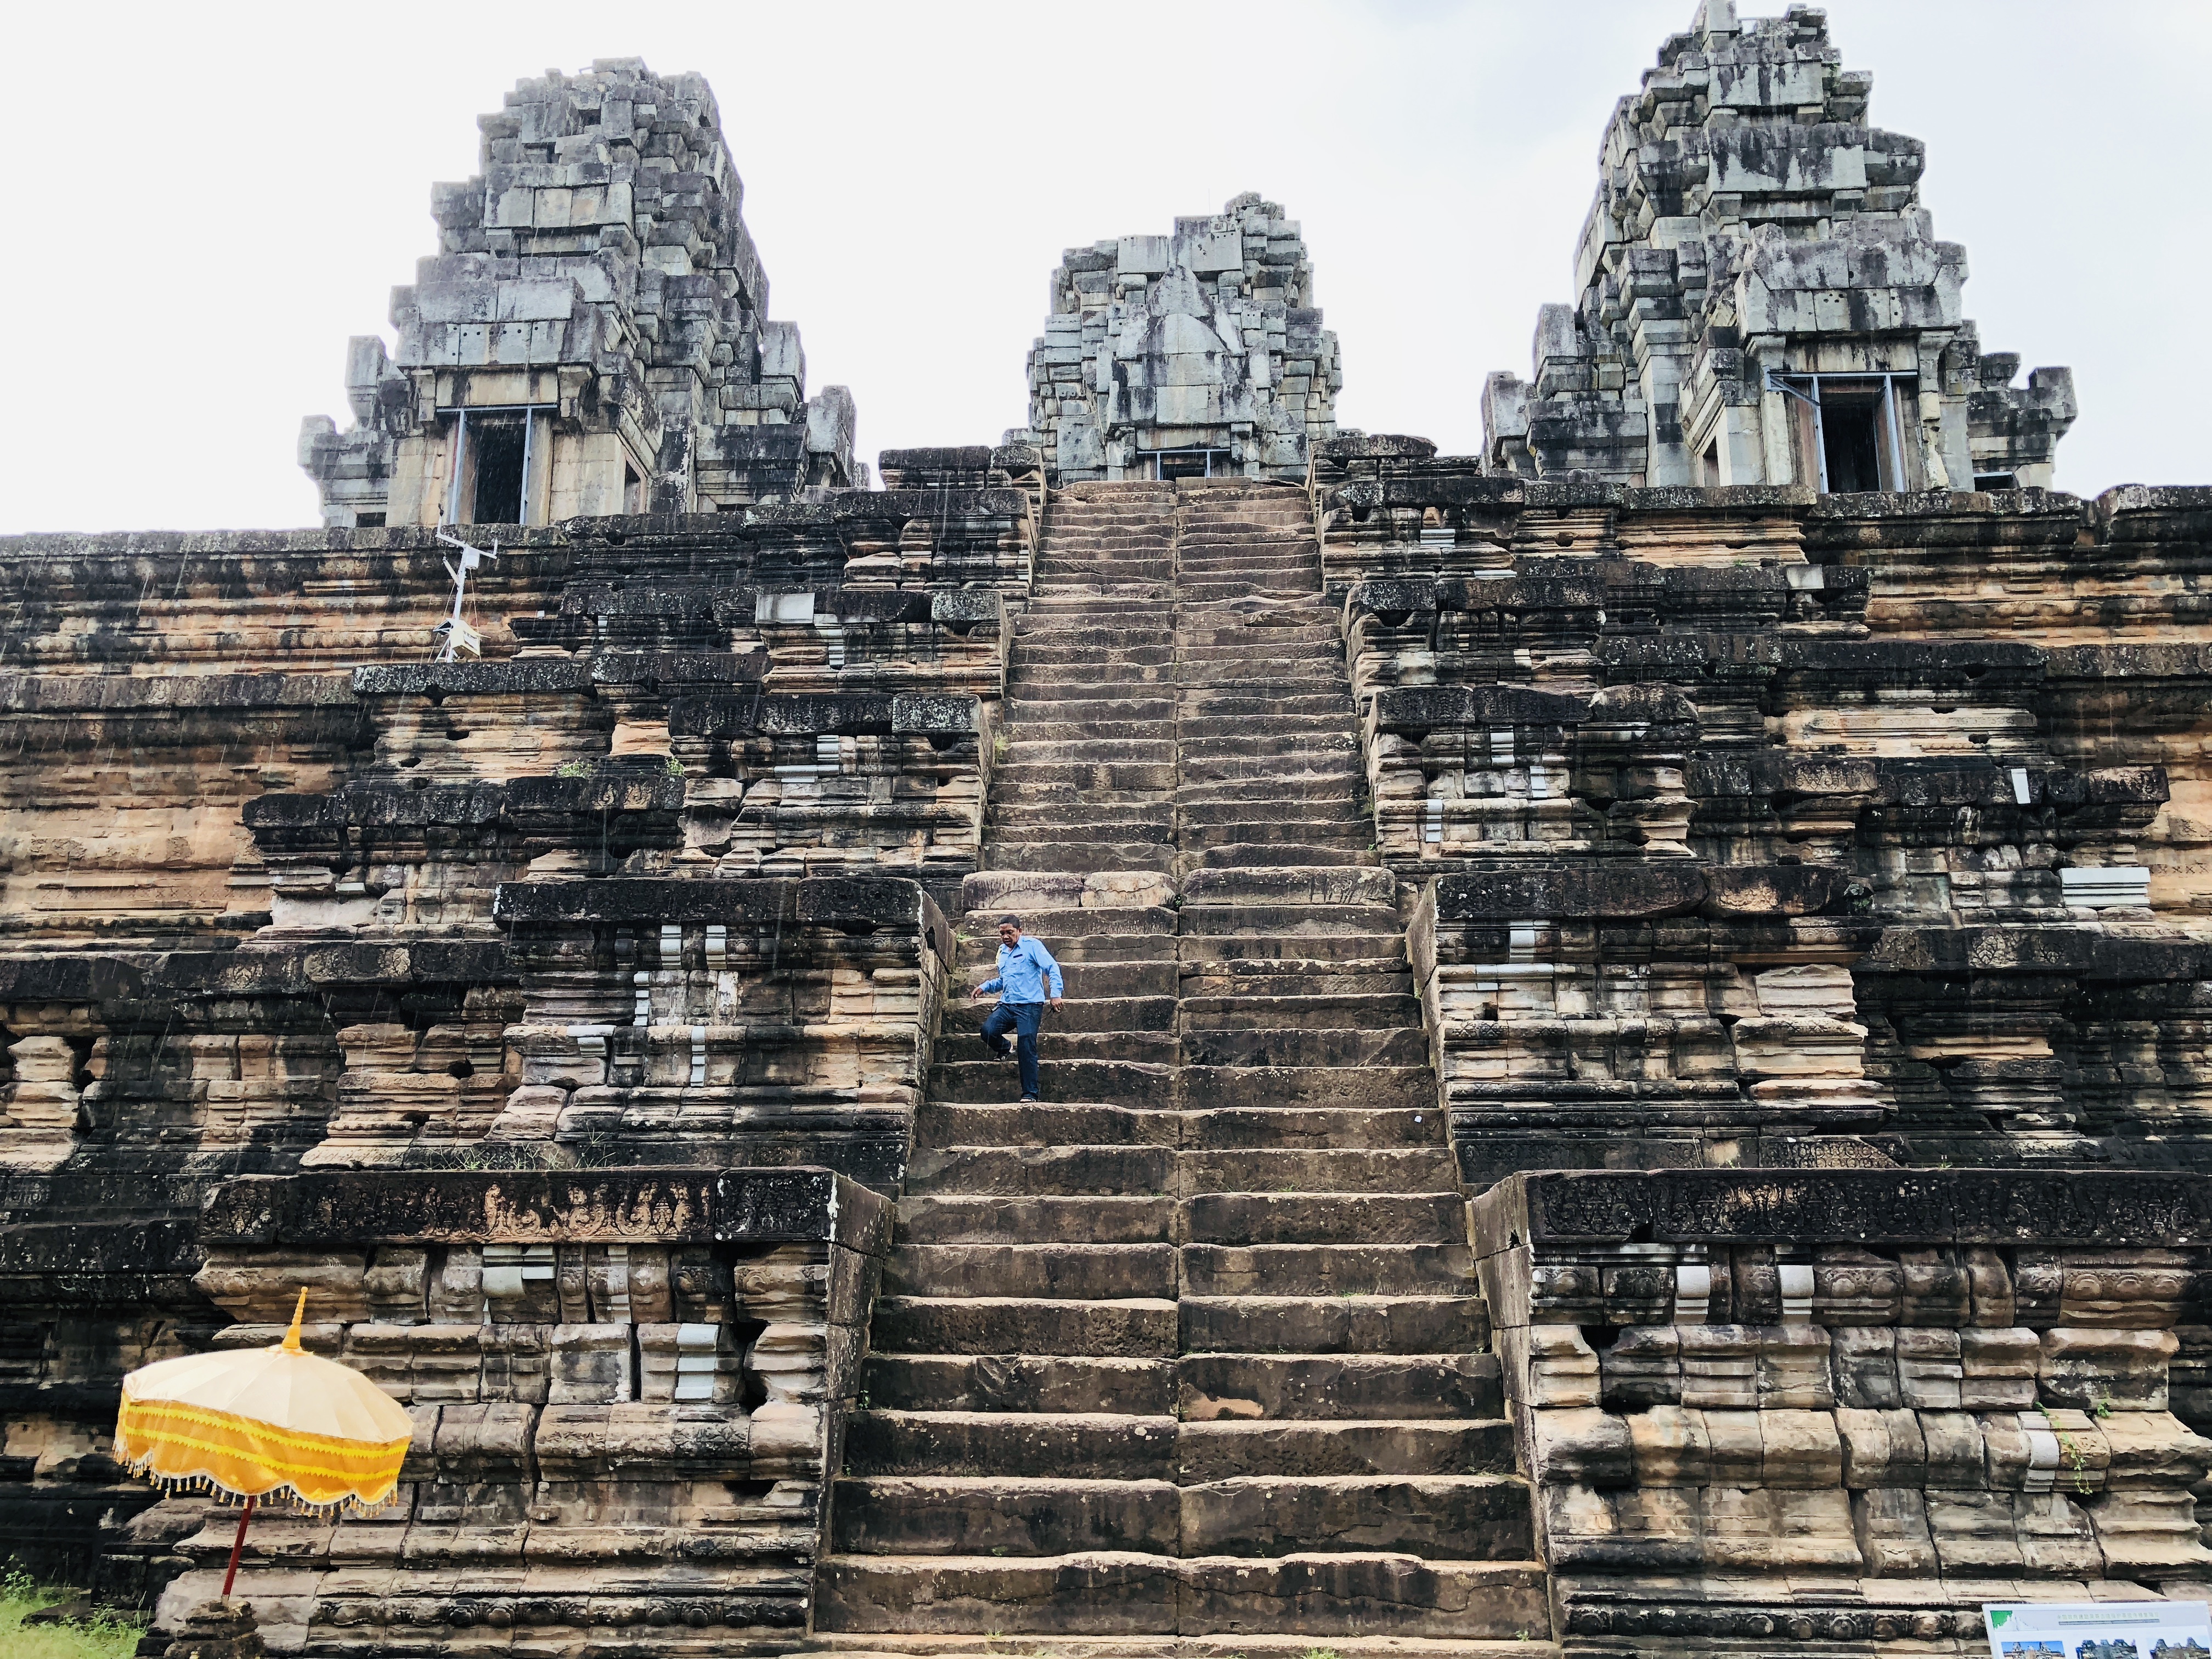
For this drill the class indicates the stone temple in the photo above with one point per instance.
(1637, 1072)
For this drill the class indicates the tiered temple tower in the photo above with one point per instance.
(1199, 354)
(591, 335)
(1762, 299)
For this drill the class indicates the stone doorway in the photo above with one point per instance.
(1169, 464)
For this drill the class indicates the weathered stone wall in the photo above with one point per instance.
(627, 1388)
(506, 1004)
(1835, 1412)
(1763, 818)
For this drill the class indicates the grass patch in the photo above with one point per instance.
(103, 1636)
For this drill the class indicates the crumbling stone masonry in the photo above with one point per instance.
(1635, 1081)
(591, 335)
(1761, 298)
(1196, 355)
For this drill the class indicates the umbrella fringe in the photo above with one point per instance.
(348, 1508)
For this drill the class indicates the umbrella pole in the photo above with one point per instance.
(237, 1548)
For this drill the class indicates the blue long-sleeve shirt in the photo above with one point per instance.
(1023, 970)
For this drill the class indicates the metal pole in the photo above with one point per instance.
(1820, 434)
(454, 485)
(1896, 448)
(522, 507)
(237, 1548)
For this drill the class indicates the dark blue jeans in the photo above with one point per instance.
(1021, 1018)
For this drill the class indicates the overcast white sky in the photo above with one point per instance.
(219, 195)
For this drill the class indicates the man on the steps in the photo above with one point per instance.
(1024, 968)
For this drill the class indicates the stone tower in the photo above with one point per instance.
(1192, 354)
(591, 335)
(1761, 298)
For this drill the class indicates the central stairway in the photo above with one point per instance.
(1190, 1357)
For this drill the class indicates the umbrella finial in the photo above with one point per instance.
(292, 1336)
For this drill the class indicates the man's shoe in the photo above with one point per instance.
(1029, 1100)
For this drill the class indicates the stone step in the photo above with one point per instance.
(1082, 1446)
(1085, 731)
(1371, 1087)
(1052, 1383)
(1019, 780)
(1159, 978)
(1259, 855)
(1256, 1012)
(1133, 1169)
(1104, 1273)
(1070, 683)
(943, 1124)
(1006, 1325)
(1129, 820)
(1044, 654)
(1123, 1272)
(1479, 1517)
(1362, 1269)
(1255, 917)
(1283, 771)
(1378, 1220)
(1198, 590)
(1078, 1013)
(1204, 825)
(1213, 639)
(977, 955)
(1074, 923)
(1112, 631)
(1261, 676)
(1199, 569)
(1209, 703)
(1080, 591)
(1253, 1386)
(1062, 691)
(1045, 1514)
(1117, 1593)
(1025, 750)
(983, 1082)
(961, 1217)
(1058, 1045)
(1319, 630)
(1337, 1324)
(938, 1124)
(1299, 1048)
(1232, 953)
(1106, 1171)
(1021, 712)
(1315, 1169)
(1081, 858)
(1229, 1448)
(1270, 978)
(1292, 1127)
(1337, 794)
(1069, 791)
(1447, 1517)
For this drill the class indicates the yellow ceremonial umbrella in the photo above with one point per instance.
(261, 1420)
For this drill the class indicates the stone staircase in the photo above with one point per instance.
(1190, 1357)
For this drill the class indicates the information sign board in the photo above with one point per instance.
(2099, 1630)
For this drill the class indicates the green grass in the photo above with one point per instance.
(105, 1637)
